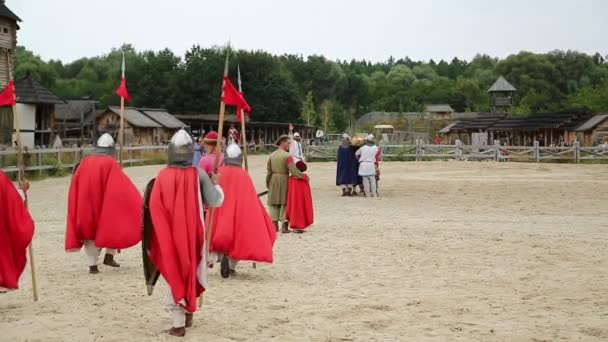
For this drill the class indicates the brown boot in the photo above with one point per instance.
(189, 318)
(179, 332)
(93, 269)
(276, 226)
(109, 260)
(344, 193)
(349, 192)
(285, 229)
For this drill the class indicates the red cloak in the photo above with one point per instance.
(103, 205)
(299, 211)
(16, 233)
(177, 238)
(242, 229)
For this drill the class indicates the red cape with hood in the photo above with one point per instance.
(103, 205)
(16, 233)
(177, 239)
(299, 211)
(242, 229)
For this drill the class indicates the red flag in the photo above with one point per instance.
(232, 97)
(239, 110)
(7, 96)
(122, 88)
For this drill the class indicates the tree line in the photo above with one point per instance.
(317, 91)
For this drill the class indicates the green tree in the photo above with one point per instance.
(308, 114)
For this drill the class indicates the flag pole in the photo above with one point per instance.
(243, 132)
(21, 176)
(121, 132)
(218, 150)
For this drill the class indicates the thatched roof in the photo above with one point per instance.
(501, 85)
(74, 109)
(29, 91)
(162, 117)
(135, 117)
(438, 108)
(592, 122)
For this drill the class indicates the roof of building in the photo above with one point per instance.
(135, 117)
(162, 117)
(29, 91)
(73, 109)
(448, 128)
(438, 108)
(501, 85)
(213, 118)
(5, 12)
(592, 122)
(527, 123)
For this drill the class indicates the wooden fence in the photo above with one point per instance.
(459, 151)
(41, 160)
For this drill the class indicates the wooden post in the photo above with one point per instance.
(497, 150)
(536, 151)
(21, 176)
(458, 154)
(577, 151)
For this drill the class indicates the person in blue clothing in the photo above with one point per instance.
(348, 166)
(197, 152)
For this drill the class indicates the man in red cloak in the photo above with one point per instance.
(242, 229)
(299, 210)
(104, 207)
(177, 245)
(16, 233)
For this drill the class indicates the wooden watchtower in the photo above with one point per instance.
(9, 24)
(501, 96)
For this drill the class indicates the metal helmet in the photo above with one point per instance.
(233, 155)
(105, 140)
(181, 149)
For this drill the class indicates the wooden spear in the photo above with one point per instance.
(22, 177)
(243, 132)
(121, 132)
(218, 150)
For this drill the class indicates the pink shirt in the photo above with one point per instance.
(208, 161)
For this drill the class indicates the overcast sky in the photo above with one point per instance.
(338, 29)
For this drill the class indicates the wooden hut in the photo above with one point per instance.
(260, 132)
(439, 111)
(36, 108)
(72, 121)
(593, 131)
(139, 128)
(9, 24)
(170, 124)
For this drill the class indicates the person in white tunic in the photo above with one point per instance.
(367, 165)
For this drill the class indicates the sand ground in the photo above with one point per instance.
(452, 251)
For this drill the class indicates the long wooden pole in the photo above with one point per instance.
(218, 149)
(121, 132)
(243, 134)
(22, 178)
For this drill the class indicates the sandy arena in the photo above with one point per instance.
(451, 251)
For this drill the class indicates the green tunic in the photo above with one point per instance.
(277, 176)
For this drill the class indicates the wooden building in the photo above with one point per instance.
(593, 131)
(36, 108)
(9, 24)
(261, 133)
(139, 128)
(439, 111)
(73, 121)
(143, 126)
(170, 124)
(517, 130)
(501, 96)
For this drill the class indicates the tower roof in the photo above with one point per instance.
(5, 12)
(501, 85)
